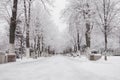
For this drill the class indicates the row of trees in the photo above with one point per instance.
(27, 21)
(31, 30)
(83, 16)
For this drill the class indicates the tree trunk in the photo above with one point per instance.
(106, 41)
(21, 45)
(105, 27)
(28, 26)
(38, 46)
(11, 57)
(42, 44)
(27, 21)
(78, 41)
(119, 41)
(87, 34)
(13, 25)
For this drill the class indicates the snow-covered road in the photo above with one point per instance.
(61, 68)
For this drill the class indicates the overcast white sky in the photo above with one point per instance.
(59, 5)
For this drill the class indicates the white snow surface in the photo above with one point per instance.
(61, 68)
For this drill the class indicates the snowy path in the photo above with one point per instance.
(61, 68)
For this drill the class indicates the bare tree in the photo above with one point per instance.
(79, 16)
(87, 13)
(27, 12)
(108, 12)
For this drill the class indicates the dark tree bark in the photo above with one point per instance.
(87, 34)
(78, 41)
(38, 46)
(75, 48)
(106, 41)
(105, 26)
(28, 26)
(87, 15)
(11, 57)
(27, 22)
(13, 23)
(105, 23)
(42, 44)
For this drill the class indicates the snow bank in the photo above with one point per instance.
(61, 68)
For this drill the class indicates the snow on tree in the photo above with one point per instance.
(79, 14)
(107, 12)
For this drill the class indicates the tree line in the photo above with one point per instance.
(86, 16)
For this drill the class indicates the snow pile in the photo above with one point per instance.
(61, 68)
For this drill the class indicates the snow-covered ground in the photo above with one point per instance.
(61, 68)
